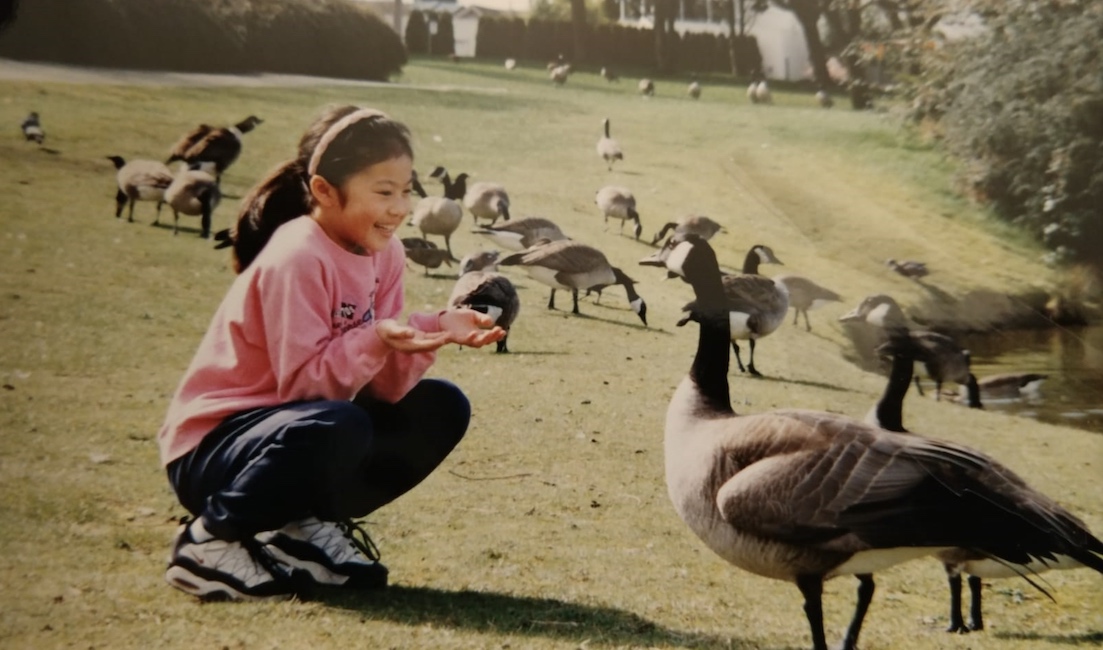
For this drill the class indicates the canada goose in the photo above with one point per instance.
(139, 180)
(573, 266)
(522, 233)
(193, 192)
(511, 64)
(697, 224)
(757, 304)
(609, 75)
(32, 129)
(487, 201)
(762, 93)
(646, 87)
(805, 295)
(823, 98)
(426, 253)
(219, 145)
(453, 189)
(480, 261)
(694, 89)
(1008, 385)
(490, 293)
(437, 215)
(619, 203)
(559, 74)
(607, 148)
(943, 358)
(416, 186)
(805, 496)
(888, 414)
(908, 268)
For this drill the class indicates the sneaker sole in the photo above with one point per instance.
(213, 590)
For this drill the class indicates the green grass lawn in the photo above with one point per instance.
(549, 527)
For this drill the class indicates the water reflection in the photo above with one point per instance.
(1072, 358)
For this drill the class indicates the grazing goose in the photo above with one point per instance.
(487, 201)
(32, 129)
(426, 253)
(823, 98)
(697, 224)
(888, 414)
(609, 75)
(479, 261)
(511, 64)
(139, 180)
(205, 143)
(608, 148)
(805, 295)
(942, 357)
(757, 304)
(522, 233)
(646, 87)
(490, 293)
(437, 215)
(908, 268)
(619, 203)
(559, 74)
(193, 192)
(694, 89)
(805, 496)
(573, 266)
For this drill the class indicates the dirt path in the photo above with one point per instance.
(11, 70)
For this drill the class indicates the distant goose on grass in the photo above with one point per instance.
(218, 145)
(195, 193)
(908, 268)
(490, 293)
(694, 89)
(619, 203)
(609, 75)
(559, 74)
(823, 98)
(646, 87)
(574, 266)
(426, 253)
(805, 496)
(139, 180)
(32, 129)
(697, 224)
(805, 295)
(607, 148)
(511, 64)
(487, 201)
(757, 304)
(519, 234)
(888, 414)
(942, 357)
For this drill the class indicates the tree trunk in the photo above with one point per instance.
(664, 18)
(578, 26)
(733, 50)
(808, 16)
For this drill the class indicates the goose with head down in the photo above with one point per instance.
(805, 496)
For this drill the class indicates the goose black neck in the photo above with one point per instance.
(890, 408)
(457, 188)
(628, 283)
(710, 365)
(607, 128)
(750, 263)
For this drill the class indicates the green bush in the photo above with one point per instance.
(333, 38)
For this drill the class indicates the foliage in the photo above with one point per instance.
(417, 33)
(444, 41)
(333, 38)
(1022, 102)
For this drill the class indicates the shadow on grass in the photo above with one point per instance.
(183, 229)
(1084, 639)
(803, 382)
(497, 614)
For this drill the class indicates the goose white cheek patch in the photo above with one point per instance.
(877, 314)
(677, 258)
(635, 304)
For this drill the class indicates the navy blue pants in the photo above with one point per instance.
(263, 468)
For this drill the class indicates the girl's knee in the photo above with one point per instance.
(447, 400)
(341, 427)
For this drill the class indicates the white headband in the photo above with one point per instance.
(333, 131)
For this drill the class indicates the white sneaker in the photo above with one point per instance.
(333, 553)
(214, 569)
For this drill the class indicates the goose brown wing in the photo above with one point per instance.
(564, 256)
(747, 293)
(850, 487)
(179, 150)
(487, 288)
(218, 145)
(150, 176)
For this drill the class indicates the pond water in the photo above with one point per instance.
(1071, 395)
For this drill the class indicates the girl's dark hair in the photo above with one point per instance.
(284, 194)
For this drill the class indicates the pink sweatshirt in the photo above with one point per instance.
(297, 324)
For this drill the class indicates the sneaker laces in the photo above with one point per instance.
(356, 534)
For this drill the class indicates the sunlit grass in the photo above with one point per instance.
(549, 527)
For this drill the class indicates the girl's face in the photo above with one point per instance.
(365, 212)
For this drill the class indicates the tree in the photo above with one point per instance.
(808, 13)
(578, 27)
(417, 33)
(739, 21)
(665, 13)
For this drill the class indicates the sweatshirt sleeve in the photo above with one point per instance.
(308, 360)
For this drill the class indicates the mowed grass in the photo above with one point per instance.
(549, 527)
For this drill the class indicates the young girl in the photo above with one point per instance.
(304, 406)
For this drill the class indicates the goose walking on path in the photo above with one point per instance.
(888, 414)
(805, 496)
(572, 266)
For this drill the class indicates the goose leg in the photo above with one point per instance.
(551, 300)
(175, 221)
(750, 366)
(502, 349)
(735, 347)
(574, 294)
(807, 325)
(937, 390)
(130, 214)
(918, 387)
(205, 223)
(956, 623)
(796, 314)
(865, 597)
(811, 587)
(120, 201)
(976, 618)
(157, 219)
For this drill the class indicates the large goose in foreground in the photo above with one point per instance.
(804, 496)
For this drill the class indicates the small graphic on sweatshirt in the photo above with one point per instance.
(344, 317)
(369, 313)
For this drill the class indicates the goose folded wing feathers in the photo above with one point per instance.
(218, 144)
(190, 139)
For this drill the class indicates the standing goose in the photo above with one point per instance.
(805, 496)
(805, 295)
(453, 189)
(697, 224)
(646, 87)
(193, 192)
(487, 201)
(608, 148)
(619, 203)
(694, 88)
(573, 266)
(522, 233)
(757, 304)
(437, 215)
(426, 253)
(942, 357)
(32, 129)
(490, 293)
(139, 180)
(205, 143)
(888, 414)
